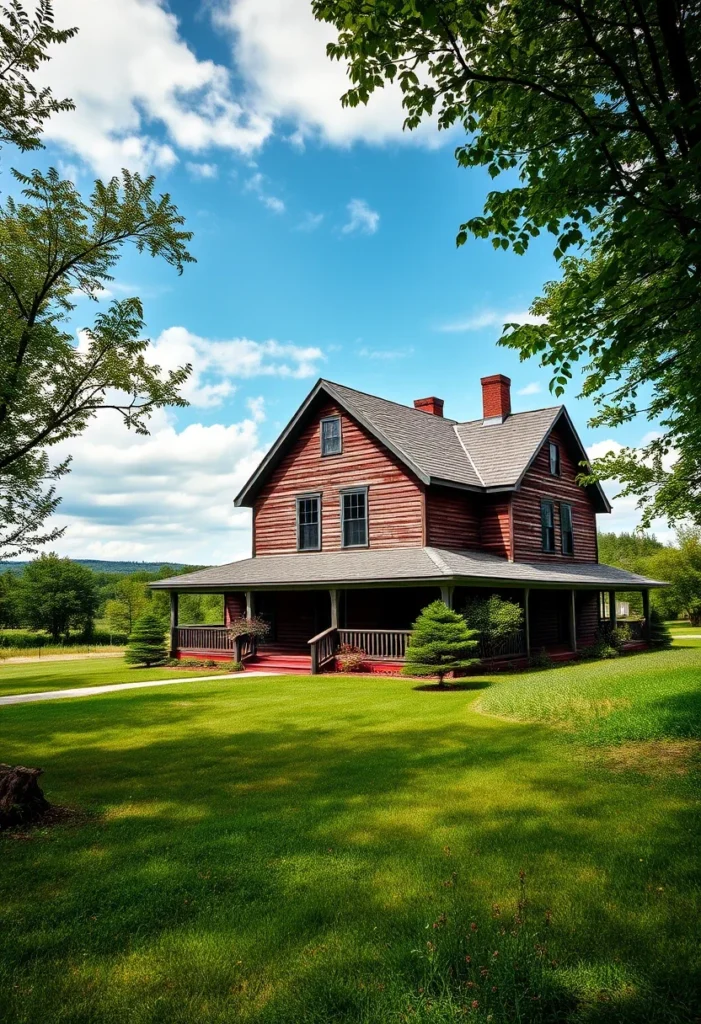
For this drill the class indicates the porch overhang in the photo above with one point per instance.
(399, 567)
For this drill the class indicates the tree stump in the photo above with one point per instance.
(21, 799)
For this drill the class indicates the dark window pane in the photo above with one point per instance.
(355, 519)
(547, 521)
(331, 436)
(554, 459)
(308, 523)
(567, 529)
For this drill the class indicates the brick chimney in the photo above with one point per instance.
(433, 406)
(496, 398)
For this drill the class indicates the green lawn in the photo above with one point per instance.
(38, 676)
(297, 850)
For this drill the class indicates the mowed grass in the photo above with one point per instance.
(38, 676)
(641, 697)
(296, 849)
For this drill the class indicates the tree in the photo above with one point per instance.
(9, 613)
(660, 633)
(440, 642)
(24, 43)
(681, 566)
(147, 643)
(51, 246)
(57, 595)
(131, 600)
(628, 550)
(592, 108)
(495, 620)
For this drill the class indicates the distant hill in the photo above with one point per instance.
(97, 565)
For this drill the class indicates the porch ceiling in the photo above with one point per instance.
(400, 566)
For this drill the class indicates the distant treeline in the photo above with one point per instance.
(679, 564)
(70, 600)
(101, 565)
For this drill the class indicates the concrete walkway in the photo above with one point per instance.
(92, 691)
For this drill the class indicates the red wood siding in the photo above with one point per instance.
(452, 519)
(234, 607)
(586, 617)
(395, 498)
(496, 527)
(538, 484)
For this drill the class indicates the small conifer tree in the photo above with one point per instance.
(440, 642)
(147, 641)
(660, 633)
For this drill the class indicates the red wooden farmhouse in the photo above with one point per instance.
(364, 511)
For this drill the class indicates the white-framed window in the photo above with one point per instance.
(566, 529)
(354, 518)
(547, 525)
(331, 438)
(554, 459)
(309, 522)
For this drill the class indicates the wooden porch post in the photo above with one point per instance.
(646, 614)
(173, 623)
(447, 595)
(612, 607)
(334, 595)
(527, 620)
(573, 621)
(250, 604)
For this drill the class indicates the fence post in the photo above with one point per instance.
(315, 658)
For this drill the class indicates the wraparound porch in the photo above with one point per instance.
(307, 626)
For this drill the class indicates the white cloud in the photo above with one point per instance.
(490, 318)
(530, 389)
(256, 184)
(280, 50)
(310, 222)
(141, 94)
(387, 354)
(203, 171)
(165, 497)
(217, 365)
(256, 407)
(361, 218)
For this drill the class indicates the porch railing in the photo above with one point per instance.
(322, 648)
(510, 647)
(204, 638)
(636, 627)
(388, 644)
(213, 640)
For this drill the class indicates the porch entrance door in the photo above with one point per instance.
(265, 609)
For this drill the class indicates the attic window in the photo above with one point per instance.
(554, 459)
(331, 443)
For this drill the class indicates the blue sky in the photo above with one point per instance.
(325, 247)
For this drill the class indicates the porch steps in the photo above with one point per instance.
(282, 661)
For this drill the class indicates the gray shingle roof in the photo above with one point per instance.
(501, 452)
(430, 442)
(421, 565)
(436, 449)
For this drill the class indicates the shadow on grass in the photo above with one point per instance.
(251, 865)
(453, 687)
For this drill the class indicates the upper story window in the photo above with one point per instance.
(566, 529)
(547, 525)
(309, 522)
(554, 459)
(331, 442)
(354, 518)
